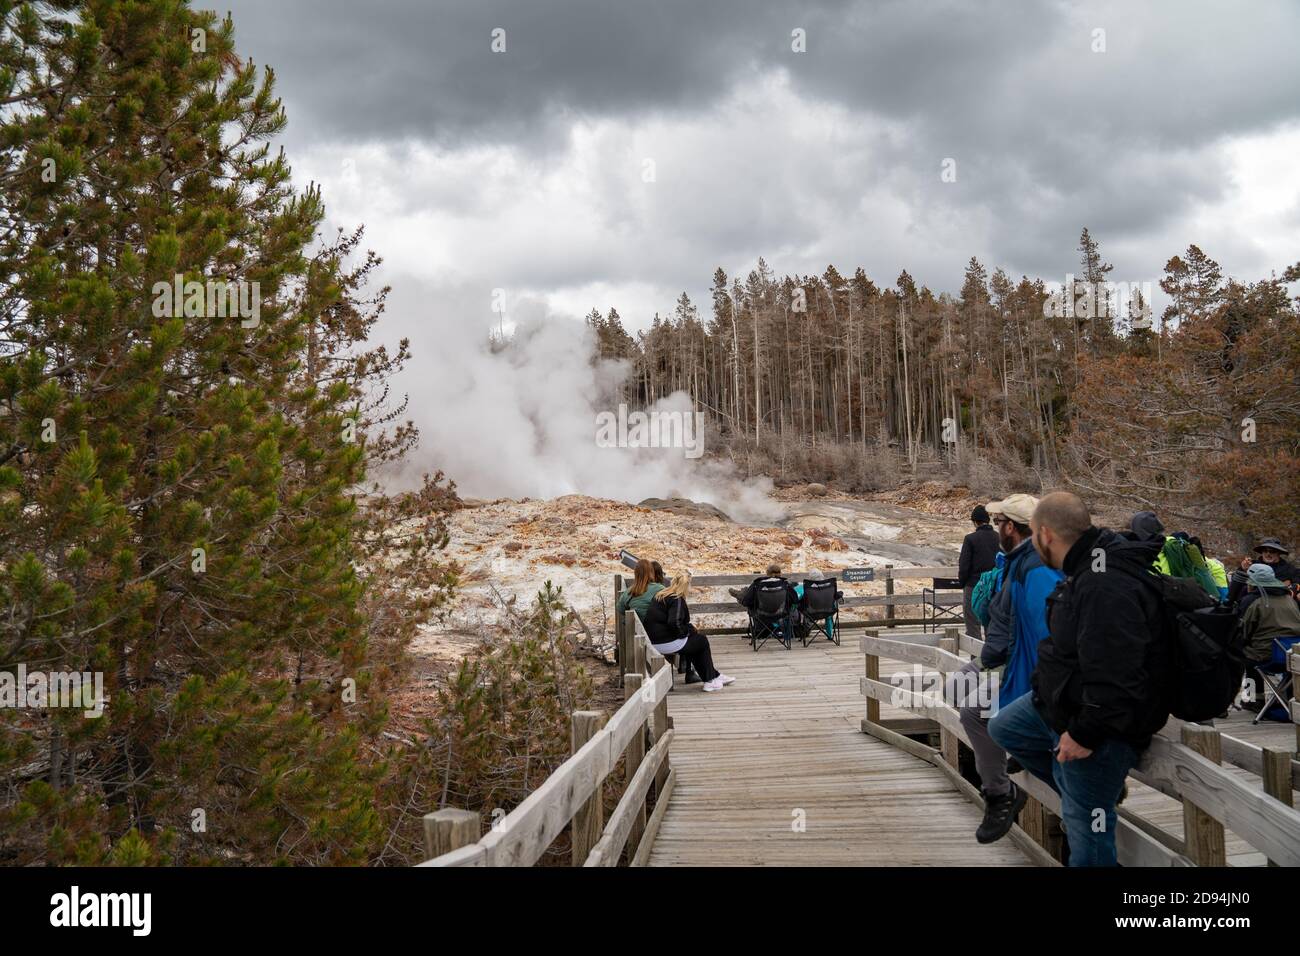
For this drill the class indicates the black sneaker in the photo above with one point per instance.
(1000, 815)
(691, 676)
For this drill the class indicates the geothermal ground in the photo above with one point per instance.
(508, 548)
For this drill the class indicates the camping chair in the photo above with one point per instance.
(820, 608)
(771, 617)
(1277, 678)
(936, 610)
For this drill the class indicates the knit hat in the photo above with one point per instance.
(979, 514)
(1146, 523)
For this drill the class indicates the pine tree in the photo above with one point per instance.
(180, 474)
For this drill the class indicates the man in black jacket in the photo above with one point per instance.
(1101, 687)
(979, 551)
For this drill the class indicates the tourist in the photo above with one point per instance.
(1017, 623)
(979, 551)
(1101, 687)
(668, 622)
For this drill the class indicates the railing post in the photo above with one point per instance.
(948, 741)
(450, 829)
(618, 624)
(1202, 834)
(1293, 663)
(629, 642)
(889, 591)
(636, 659)
(1277, 777)
(660, 727)
(589, 821)
(873, 673)
(635, 754)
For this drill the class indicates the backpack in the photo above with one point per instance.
(981, 596)
(1186, 561)
(1205, 643)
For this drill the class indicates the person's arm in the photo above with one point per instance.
(1113, 638)
(998, 633)
(679, 619)
(1236, 586)
(624, 598)
(964, 562)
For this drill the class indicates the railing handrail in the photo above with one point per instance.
(521, 836)
(1170, 766)
(887, 573)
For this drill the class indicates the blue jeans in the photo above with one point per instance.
(1088, 787)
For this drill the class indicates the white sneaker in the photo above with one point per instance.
(711, 685)
(723, 680)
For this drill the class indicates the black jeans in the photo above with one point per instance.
(698, 654)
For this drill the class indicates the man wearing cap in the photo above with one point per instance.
(1017, 623)
(1271, 552)
(1101, 689)
(979, 551)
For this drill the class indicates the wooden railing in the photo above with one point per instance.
(887, 576)
(1293, 662)
(1183, 762)
(574, 794)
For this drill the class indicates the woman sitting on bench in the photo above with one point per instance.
(668, 622)
(645, 585)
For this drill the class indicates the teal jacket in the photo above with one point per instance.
(640, 603)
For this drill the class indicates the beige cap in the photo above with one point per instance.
(1019, 508)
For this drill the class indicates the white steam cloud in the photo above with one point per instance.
(521, 421)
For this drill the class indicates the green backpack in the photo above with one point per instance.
(1185, 560)
(982, 594)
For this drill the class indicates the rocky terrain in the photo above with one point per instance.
(508, 548)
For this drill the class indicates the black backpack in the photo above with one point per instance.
(1207, 659)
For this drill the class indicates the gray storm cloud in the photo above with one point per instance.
(474, 170)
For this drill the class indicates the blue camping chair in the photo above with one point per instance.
(1277, 679)
(819, 605)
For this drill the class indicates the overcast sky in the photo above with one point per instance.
(1155, 125)
(526, 170)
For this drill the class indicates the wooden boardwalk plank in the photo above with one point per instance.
(782, 747)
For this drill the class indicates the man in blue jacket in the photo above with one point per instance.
(1017, 622)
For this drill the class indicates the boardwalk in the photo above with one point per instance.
(785, 740)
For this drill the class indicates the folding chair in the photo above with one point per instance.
(771, 618)
(1276, 677)
(936, 610)
(820, 607)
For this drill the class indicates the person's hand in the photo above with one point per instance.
(1245, 564)
(1068, 749)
